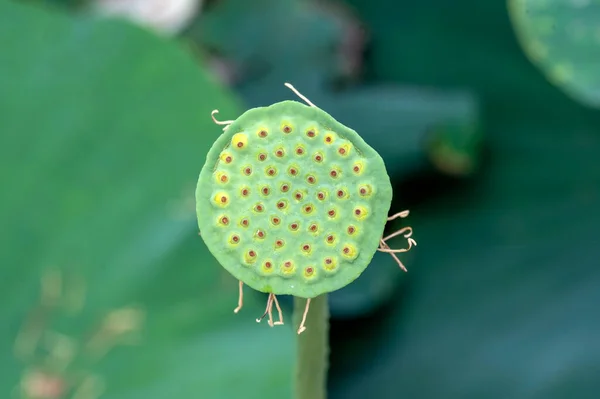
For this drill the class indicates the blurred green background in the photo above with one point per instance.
(484, 112)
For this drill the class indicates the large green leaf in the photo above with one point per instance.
(562, 37)
(104, 129)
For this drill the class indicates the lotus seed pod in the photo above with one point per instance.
(290, 201)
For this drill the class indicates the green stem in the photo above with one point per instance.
(312, 349)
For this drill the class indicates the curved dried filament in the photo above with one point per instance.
(280, 322)
(302, 328)
(226, 123)
(240, 298)
(292, 88)
(267, 310)
(402, 214)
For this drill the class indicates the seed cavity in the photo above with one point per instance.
(282, 204)
(239, 141)
(365, 190)
(279, 152)
(322, 195)
(344, 150)
(221, 199)
(318, 157)
(285, 187)
(223, 220)
(293, 171)
(294, 226)
(271, 171)
(300, 150)
(265, 191)
(244, 191)
(286, 127)
(330, 264)
(267, 267)
(247, 170)
(305, 248)
(259, 207)
(329, 138)
(334, 173)
(221, 177)
(360, 212)
(358, 167)
(349, 251)
(226, 157)
(310, 179)
(342, 193)
(298, 196)
(262, 133)
(262, 156)
(311, 133)
(309, 272)
(244, 222)
(307, 209)
(331, 213)
(275, 220)
(259, 234)
(234, 239)
(287, 267)
(351, 230)
(250, 256)
(313, 228)
(330, 239)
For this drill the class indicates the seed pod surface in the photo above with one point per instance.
(290, 201)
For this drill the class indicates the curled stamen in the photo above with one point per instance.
(240, 298)
(302, 328)
(226, 123)
(292, 88)
(402, 214)
(401, 231)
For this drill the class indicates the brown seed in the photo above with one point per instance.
(287, 129)
(305, 247)
(248, 171)
(224, 178)
(263, 133)
(240, 144)
(275, 220)
(313, 227)
(235, 238)
(299, 151)
(265, 190)
(298, 196)
(333, 174)
(310, 179)
(223, 199)
(310, 133)
(285, 188)
(279, 243)
(357, 212)
(328, 261)
(251, 253)
(356, 168)
(330, 239)
(262, 156)
(328, 139)
(244, 192)
(281, 205)
(351, 230)
(293, 171)
(225, 220)
(308, 209)
(245, 222)
(340, 193)
(259, 208)
(294, 226)
(318, 158)
(279, 153)
(228, 159)
(331, 213)
(287, 264)
(309, 270)
(320, 195)
(260, 234)
(268, 265)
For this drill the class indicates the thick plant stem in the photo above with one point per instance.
(312, 349)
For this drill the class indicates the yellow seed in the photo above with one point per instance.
(239, 141)
(221, 199)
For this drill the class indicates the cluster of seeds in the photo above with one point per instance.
(292, 202)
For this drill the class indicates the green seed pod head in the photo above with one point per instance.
(290, 201)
